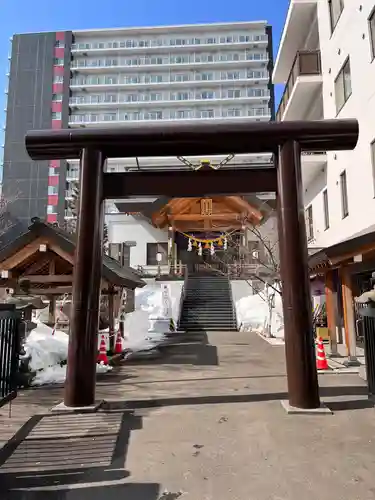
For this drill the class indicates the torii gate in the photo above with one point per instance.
(284, 139)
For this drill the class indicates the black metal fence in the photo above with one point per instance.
(9, 352)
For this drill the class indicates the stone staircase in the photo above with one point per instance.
(207, 304)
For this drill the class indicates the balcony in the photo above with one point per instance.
(304, 79)
(300, 24)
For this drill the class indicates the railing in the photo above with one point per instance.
(9, 353)
(183, 293)
(168, 43)
(305, 63)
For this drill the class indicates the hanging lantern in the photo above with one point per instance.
(195, 243)
(225, 243)
(207, 246)
(190, 246)
(212, 249)
(200, 248)
(220, 243)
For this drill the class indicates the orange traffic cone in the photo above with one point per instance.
(102, 356)
(321, 360)
(118, 345)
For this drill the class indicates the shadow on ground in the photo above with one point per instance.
(325, 392)
(189, 349)
(79, 456)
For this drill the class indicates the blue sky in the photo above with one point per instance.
(20, 16)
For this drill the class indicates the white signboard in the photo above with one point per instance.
(167, 303)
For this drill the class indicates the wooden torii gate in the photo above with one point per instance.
(285, 140)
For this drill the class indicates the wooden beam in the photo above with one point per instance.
(25, 252)
(64, 255)
(48, 278)
(241, 205)
(362, 250)
(185, 184)
(139, 139)
(348, 306)
(331, 308)
(36, 266)
(48, 291)
(199, 217)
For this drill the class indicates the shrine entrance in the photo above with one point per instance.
(285, 140)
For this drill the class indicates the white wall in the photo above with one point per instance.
(350, 38)
(123, 228)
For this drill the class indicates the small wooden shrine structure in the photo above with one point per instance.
(39, 262)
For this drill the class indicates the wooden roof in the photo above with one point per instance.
(44, 270)
(344, 251)
(221, 213)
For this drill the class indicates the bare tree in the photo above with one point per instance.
(264, 266)
(6, 219)
(70, 224)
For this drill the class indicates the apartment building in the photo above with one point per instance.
(109, 77)
(325, 60)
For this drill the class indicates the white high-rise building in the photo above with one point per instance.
(326, 61)
(211, 71)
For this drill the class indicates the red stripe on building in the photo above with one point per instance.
(53, 180)
(56, 124)
(51, 217)
(59, 70)
(57, 88)
(57, 106)
(53, 199)
(60, 36)
(59, 52)
(54, 163)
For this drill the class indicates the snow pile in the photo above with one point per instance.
(146, 326)
(48, 353)
(261, 313)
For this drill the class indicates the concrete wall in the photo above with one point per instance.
(28, 107)
(351, 38)
(123, 228)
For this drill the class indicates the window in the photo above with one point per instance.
(309, 223)
(59, 44)
(234, 94)
(57, 97)
(344, 195)
(343, 86)
(58, 79)
(56, 115)
(325, 209)
(335, 9)
(371, 22)
(58, 61)
(373, 163)
(153, 249)
(53, 190)
(51, 209)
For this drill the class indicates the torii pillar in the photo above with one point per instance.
(298, 326)
(84, 321)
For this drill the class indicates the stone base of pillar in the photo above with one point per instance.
(292, 410)
(62, 408)
(352, 361)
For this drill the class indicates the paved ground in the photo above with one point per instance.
(206, 426)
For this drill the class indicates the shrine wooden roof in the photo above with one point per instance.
(220, 212)
(21, 256)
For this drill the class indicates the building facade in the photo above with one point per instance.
(326, 61)
(108, 77)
